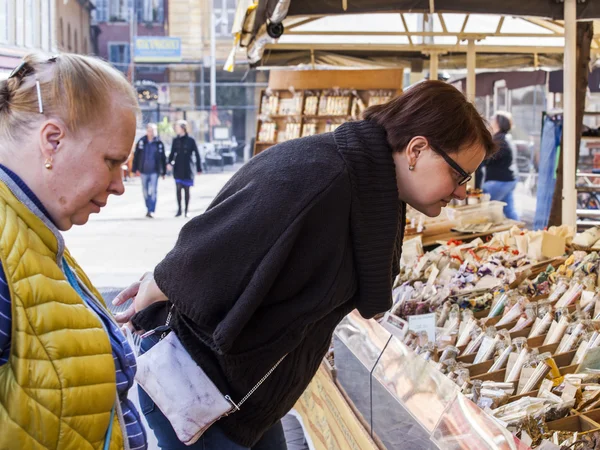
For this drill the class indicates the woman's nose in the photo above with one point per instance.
(116, 186)
(460, 192)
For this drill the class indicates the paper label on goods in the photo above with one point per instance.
(395, 325)
(550, 332)
(526, 374)
(587, 297)
(564, 339)
(569, 392)
(411, 250)
(526, 439)
(432, 276)
(546, 385)
(421, 264)
(423, 322)
(580, 353)
(590, 361)
(485, 347)
(512, 359)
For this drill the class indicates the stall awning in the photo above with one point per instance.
(423, 26)
(552, 9)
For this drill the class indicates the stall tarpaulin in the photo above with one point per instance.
(514, 80)
(555, 81)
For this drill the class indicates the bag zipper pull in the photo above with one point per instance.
(161, 329)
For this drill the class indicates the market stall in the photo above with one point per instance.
(492, 341)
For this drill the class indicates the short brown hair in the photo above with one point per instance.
(437, 111)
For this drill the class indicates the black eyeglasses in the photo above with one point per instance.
(465, 177)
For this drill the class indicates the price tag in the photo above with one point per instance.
(423, 322)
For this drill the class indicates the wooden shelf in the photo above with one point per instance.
(589, 213)
(590, 138)
(588, 189)
(283, 116)
(346, 117)
(364, 82)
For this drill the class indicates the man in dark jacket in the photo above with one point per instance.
(149, 161)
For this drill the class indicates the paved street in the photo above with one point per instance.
(118, 245)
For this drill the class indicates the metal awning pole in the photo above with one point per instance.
(433, 65)
(471, 70)
(569, 206)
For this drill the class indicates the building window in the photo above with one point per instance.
(76, 43)
(85, 45)
(20, 23)
(224, 15)
(62, 33)
(3, 20)
(150, 11)
(120, 10)
(118, 55)
(69, 47)
(100, 13)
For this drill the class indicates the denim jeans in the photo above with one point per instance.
(149, 188)
(503, 191)
(213, 439)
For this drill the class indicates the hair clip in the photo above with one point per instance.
(39, 95)
(21, 71)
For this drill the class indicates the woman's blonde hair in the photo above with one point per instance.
(78, 89)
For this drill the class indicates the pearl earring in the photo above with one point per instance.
(411, 167)
(48, 164)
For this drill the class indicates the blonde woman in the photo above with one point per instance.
(67, 124)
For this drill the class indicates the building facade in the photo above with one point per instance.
(73, 26)
(25, 26)
(42, 25)
(114, 26)
(189, 82)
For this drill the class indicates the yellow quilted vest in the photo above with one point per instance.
(58, 388)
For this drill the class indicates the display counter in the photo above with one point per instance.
(405, 400)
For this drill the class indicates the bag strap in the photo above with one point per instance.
(262, 380)
(227, 397)
(109, 430)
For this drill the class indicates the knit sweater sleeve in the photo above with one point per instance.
(227, 260)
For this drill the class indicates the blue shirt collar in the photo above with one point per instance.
(19, 182)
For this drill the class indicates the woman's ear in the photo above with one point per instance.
(52, 132)
(414, 149)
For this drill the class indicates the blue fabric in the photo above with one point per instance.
(26, 190)
(149, 165)
(503, 191)
(125, 366)
(551, 135)
(150, 190)
(184, 182)
(213, 439)
(5, 319)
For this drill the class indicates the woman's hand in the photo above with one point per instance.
(143, 292)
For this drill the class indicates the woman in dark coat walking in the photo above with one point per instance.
(184, 146)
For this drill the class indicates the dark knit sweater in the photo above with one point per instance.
(301, 235)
